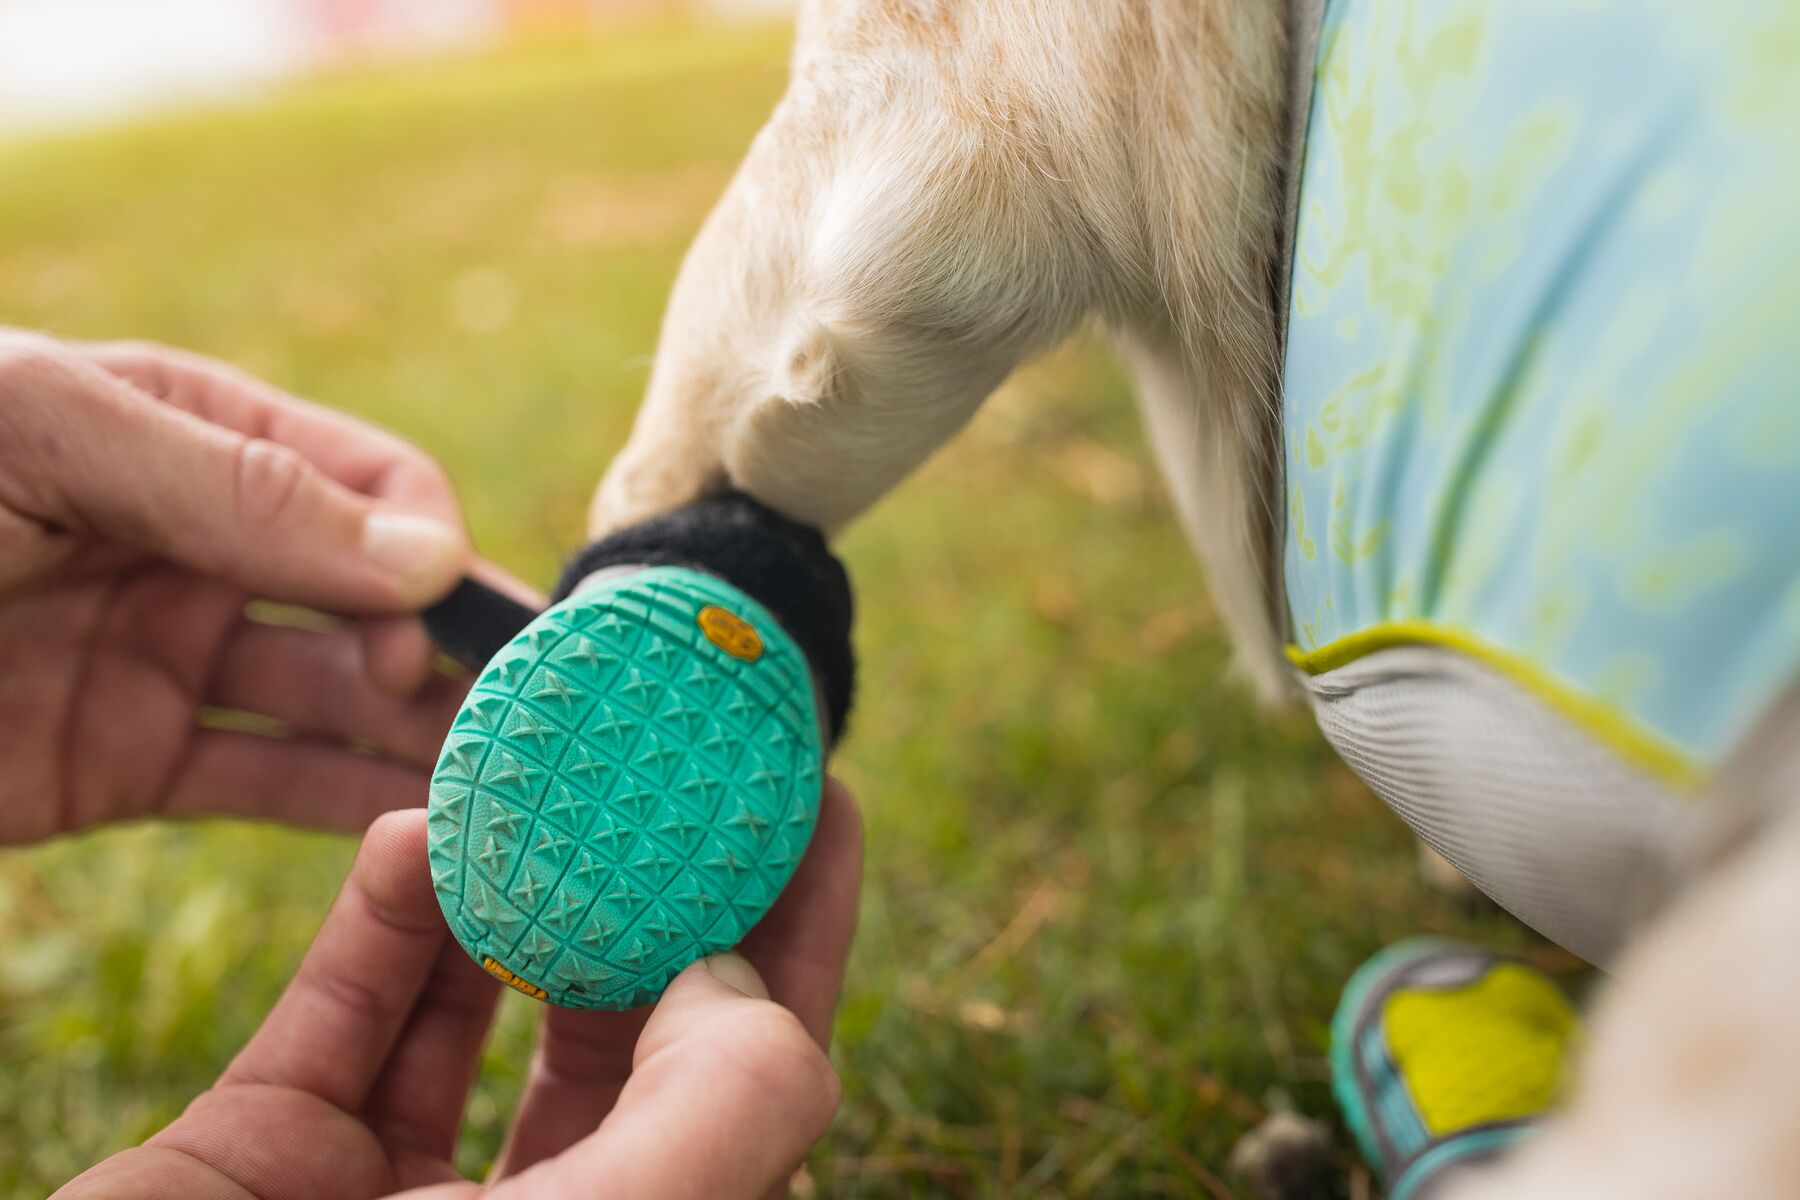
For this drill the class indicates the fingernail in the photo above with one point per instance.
(735, 971)
(421, 556)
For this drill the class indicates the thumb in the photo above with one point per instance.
(727, 1093)
(735, 972)
(703, 994)
(245, 509)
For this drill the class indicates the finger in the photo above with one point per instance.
(113, 462)
(154, 1173)
(331, 1033)
(416, 1106)
(802, 945)
(728, 1094)
(317, 785)
(578, 1069)
(315, 682)
(356, 454)
(583, 1060)
(399, 654)
(507, 584)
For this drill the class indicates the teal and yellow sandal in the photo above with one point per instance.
(636, 773)
(1443, 1055)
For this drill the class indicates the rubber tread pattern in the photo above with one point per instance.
(619, 796)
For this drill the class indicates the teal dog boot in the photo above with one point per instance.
(1444, 1056)
(636, 773)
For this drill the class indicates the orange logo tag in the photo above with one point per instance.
(730, 633)
(513, 981)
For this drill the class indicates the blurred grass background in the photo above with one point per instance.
(1109, 904)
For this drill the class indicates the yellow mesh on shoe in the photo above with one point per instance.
(1494, 1050)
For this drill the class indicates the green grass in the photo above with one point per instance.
(1109, 904)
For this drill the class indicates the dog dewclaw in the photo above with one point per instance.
(628, 787)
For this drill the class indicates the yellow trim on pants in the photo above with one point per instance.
(1608, 725)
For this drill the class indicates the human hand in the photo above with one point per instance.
(355, 1085)
(145, 497)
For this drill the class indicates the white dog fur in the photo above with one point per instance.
(950, 187)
